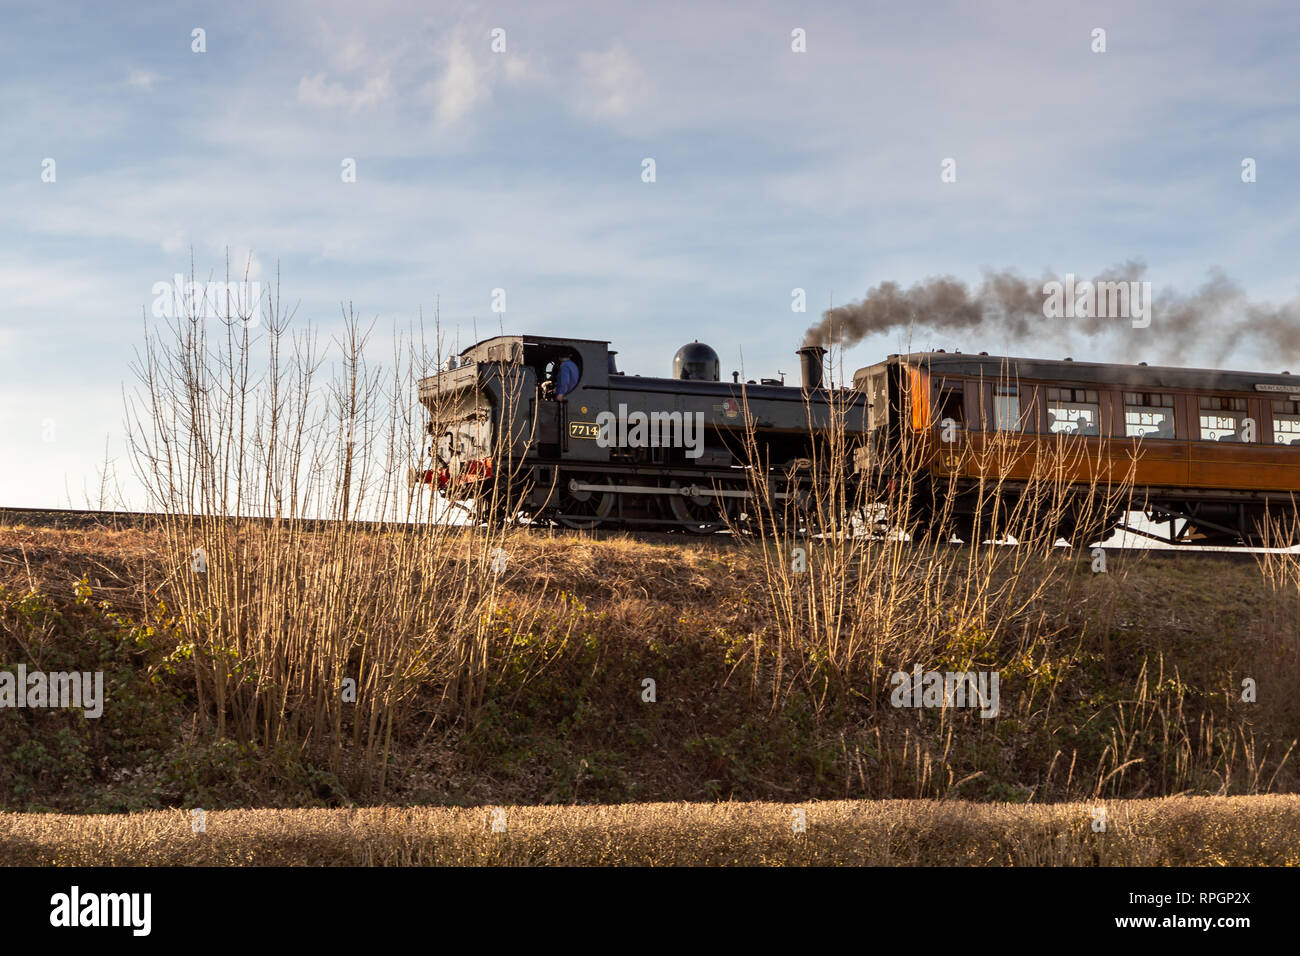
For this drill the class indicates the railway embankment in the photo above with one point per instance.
(618, 671)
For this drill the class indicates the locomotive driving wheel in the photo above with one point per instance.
(582, 508)
(695, 510)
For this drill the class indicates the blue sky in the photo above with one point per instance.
(522, 170)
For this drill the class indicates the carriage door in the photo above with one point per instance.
(950, 424)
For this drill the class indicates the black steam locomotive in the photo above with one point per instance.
(511, 431)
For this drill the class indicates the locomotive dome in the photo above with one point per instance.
(698, 363)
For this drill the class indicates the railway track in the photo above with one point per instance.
(79, 518)
(74, 518)
(71, 518)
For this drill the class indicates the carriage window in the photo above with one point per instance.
(1222, 419)
(1148, 415)
(1073, 411)
(1286, 423)
(1006, 408)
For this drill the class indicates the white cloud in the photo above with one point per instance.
(352, 55)
(317, 91)
(464, 82)
(612, 79)
(518, 69)
(141, 79)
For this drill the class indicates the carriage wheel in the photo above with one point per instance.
(1081, 530)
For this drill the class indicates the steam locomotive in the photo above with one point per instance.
(622, 450)
(1212, 456)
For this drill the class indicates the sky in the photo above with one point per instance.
(795, 146)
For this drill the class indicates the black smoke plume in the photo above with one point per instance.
(1213, 321)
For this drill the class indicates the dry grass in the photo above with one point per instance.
(1133, 688)
(860, 578)
(1237, 831)
(298, 637)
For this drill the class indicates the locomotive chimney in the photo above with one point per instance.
(810, 363)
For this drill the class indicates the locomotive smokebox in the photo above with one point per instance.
(810, 364)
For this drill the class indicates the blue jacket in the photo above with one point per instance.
(567, 380)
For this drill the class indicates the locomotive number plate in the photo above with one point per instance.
(584, 430)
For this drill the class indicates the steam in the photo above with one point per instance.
(1215, 320)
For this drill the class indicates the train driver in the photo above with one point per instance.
(567, 377)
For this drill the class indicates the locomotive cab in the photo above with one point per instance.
(496, 400)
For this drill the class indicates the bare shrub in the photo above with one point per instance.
(312, 586)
